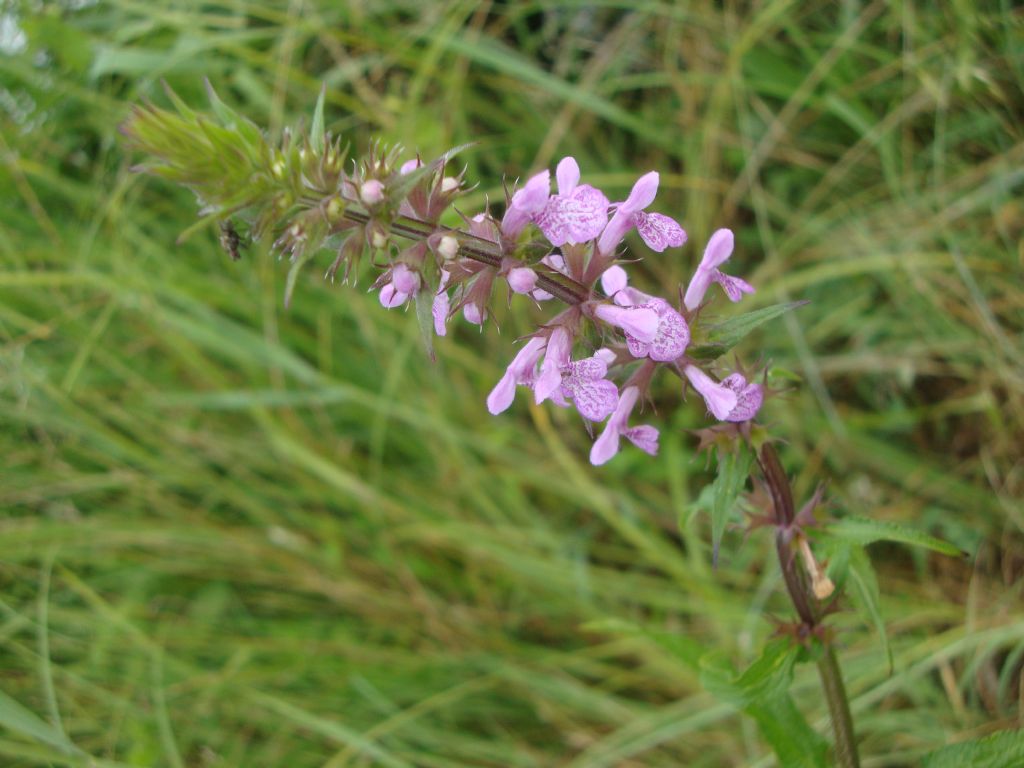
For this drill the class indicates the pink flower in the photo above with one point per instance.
(615, 284)
(522, 279)
(732, 400)
(410, 165)
(403, 284)
(749, 397)
(671, 337)
(578, 213)
(526, 203)
(555, 359)
(639, 322)
(584, 382)
(522, 370)
(718, 251)
(658, 231)
(441, 306)
(644, 437)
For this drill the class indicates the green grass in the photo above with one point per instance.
(234, 535)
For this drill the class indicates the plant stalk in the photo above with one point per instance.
(807, 608)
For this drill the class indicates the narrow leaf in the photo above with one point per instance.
(733, 470)
(293, 274)
(1004, 749)
(425, 318)
(724, 336)
(863, 531)
(317, 130)
(16, 718)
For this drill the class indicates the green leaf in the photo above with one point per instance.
(16, 718)
(293, 274)
(724, 336)
(1004, 749)
(850, 567)
(425, 318)
(863, 531)
(317, 130)
(761, 691)
(733, 471)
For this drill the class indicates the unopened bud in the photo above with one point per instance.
(448, 183)
(474, 314)
(335, 208)
(522, 279)
(371, 192)
(379, 239)
(278, 168)
(447, 247)
(405, 280)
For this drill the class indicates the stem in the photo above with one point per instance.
(806, 606)
(476, 248)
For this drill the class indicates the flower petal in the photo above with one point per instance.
(718, 250)
(734, 287)
(749, 397)
(642, 194)
(595, 400)
(568, 175)
(613, 280)
(522, 279)
(439, 310)
(640, 322)
(672, 338)
(644, 437)
(555, 358)
(720, 400)
(659, 232)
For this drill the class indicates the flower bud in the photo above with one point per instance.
(449, 183)
(522, 279)
(447, 247)
(474, 314)
(405, 280)
(371, 192)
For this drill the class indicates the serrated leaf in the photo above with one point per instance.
(1004, 749)
(317, 130)
(761, 691)
(733, 471)
(863, 531)
(724, 336)
(425, 318)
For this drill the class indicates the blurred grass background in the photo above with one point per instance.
(234, 535)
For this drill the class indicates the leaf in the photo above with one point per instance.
(850, 566)
(1004, 749)
(425, 318)
(733, 471)
(863, 531)
(16, 718)
(724, 336)
(761, 691)
(317, 130)
(293, 274)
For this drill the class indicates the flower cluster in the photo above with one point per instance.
(579, 235)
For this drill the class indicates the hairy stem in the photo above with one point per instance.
(476, 248)
(806, 606)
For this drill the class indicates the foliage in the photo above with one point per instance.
(263, 555)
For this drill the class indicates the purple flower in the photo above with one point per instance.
(403, 284)
(658, 231)
(410, 165)
(615, 284)
(718, 251)
(721, 399)
(577, 213)
(644, 437)
(526, 203)
(640, 322)
(522, 370)
(555, 359)
(749, 397)
(671, 337)
(584, 382)
(441, 306)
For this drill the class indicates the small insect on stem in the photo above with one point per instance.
(230, 240)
